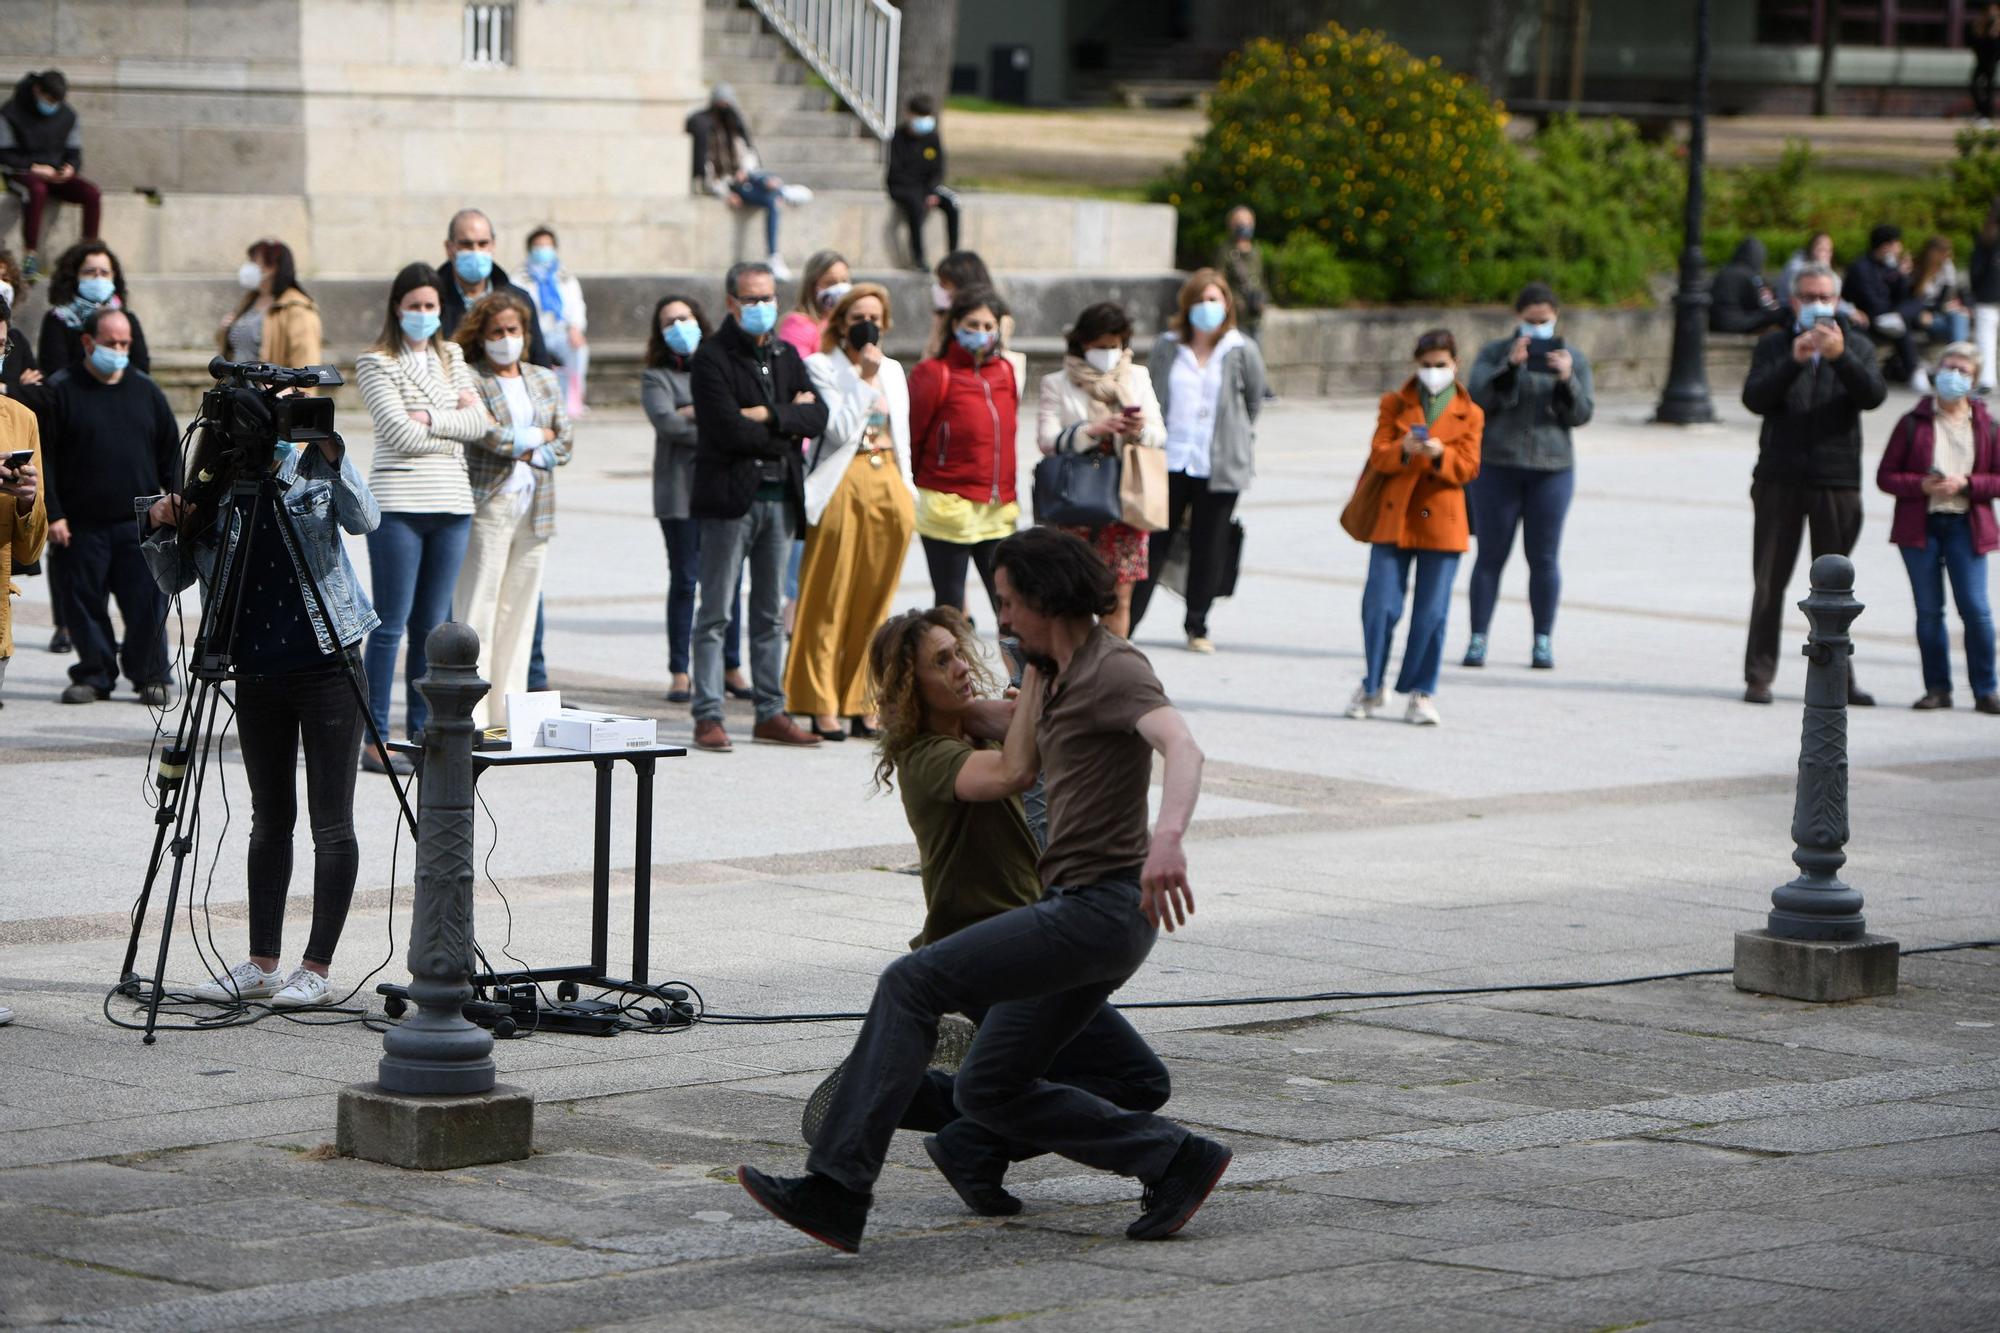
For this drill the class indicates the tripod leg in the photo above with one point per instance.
(182, 846)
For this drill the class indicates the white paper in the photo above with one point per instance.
(525, 715)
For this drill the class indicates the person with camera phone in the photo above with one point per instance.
(300, 614)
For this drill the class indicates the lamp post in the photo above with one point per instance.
(1685, 400)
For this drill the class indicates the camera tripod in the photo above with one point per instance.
(183, 768)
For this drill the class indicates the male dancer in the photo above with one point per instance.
(1041, 973)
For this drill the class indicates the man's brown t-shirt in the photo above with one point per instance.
(1096, 765)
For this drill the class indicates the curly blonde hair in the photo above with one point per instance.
(893, 680)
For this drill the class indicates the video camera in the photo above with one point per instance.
(245, 416)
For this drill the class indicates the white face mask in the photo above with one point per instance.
(250, 277)
(503, 351)
(7, 292)
(940, 298)
(1104, 360)
(1435, 378)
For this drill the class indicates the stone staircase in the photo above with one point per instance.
(803, 132)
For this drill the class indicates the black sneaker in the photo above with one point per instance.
(820, 1206)
(817, 1104)
(81, 693)
(985, 1197)
(1172, 1199)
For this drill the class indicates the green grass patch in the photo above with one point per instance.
(985, 106)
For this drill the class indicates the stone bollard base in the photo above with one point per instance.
(955, 1034)
(435, 1133)
(1818, 970)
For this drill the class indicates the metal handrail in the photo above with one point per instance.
(852, 44)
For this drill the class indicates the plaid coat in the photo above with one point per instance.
(489, 460)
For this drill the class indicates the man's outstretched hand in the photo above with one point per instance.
(1164, 895)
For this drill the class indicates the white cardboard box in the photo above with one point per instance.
(593, 733)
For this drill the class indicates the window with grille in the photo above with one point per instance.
(489, 35)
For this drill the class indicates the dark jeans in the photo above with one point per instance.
(1947, 550)
(538, 669)
(102, 564)
(1043, 975)
(274, 714)
(413, 563)
(683, 538)
(947, 561)
(1785, 512)
(914, 207)
(1382, 606)
(1506, 498)
(1205, 515)
(36, 191)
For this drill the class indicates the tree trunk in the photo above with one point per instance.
(1829, 37)
(930, 32)
(1498, 21)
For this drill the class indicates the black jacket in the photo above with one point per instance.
(61, 345)
(1812, 413)
(1984, 278)
(27, 136)
(1877, 289)
(106, 445)
(20, 357)
(916, 161)
(734, 453)
(451, 310)
(1736, 297)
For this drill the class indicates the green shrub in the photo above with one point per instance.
(1305, 271)
(1594, 211)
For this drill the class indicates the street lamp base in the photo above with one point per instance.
(1821, 971)
(1692, 409)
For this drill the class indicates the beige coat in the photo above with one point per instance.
(291, 333)
(22, 536)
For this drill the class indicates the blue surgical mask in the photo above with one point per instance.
(1207, 315)
(923, 125)
(542, 256)
(1812, 312)
(758, 317)
(419, 325)
(1951, 384)
(1543, 330)
(472, 266)
(683, 335)
(974, 341)
(47, 108)
(95, 290)
(281, 451)
(107, 362)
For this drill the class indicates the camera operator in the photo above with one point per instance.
(291, 688)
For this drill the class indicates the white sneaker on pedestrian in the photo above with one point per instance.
(797, 195)
(1422, 712)
(1364, 704)
(1921, 381)
(6, 1015)
(779, 268)
(245, 981)
(304, 987)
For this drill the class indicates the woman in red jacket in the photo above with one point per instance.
(1943, 467)
(1426, 448)
(962, 412)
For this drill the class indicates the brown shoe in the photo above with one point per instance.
(781, 730)
(1753, 693)
(1987, 703)
(1933, 700)
(709, 735)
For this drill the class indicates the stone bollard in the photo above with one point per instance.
(1816, 945)
(437, 1104)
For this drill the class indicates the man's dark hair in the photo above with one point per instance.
(6, 312)
(733, 279)
(99, 315)
(540, 232)
(963, 268)
(657, 350)
(1536, 293)
(1103, 320)
(921, 105)
(1057, 574)
(52, 82)
(1883, 234)
(62, 278)
(451, 227)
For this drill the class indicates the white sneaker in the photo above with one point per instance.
(779, 268)
(6, 1015)
(246, 981)
(1921, 381)
(304, 987)
(796, 195)
(1200, 643)
(1364, 704)
(1422, 712)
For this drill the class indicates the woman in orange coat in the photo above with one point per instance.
(1426, 449)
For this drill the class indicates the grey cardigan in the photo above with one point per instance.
(1529, 413)
(1231, 450)
(663, 391)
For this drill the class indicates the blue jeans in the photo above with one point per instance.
(413, 560)
(1503, 499)
(757, 193)
(683, 537)
(1947, 550)
(1951, 326)
(1382, 607)
(761, 538)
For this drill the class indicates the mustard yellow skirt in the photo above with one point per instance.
(847, 587)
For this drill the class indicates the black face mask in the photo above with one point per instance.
(863, 333)
(1243, 233)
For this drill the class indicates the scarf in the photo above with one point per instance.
(78, 309)
(1434, 405)
(1107, 392)
(548, 292)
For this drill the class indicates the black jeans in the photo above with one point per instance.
(1042, 974)
(1205, 515)
(914, 206)
(102, 564)
(273, 715)
(947, 561)
(1784, 513)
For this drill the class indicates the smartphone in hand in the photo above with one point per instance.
(1421, 434)
(19, 458)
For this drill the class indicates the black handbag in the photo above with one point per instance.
(1173, 570)
(1078, 490)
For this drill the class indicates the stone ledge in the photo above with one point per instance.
(1822, 971)
(435, 1133)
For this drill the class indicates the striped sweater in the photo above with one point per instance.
(420, 469)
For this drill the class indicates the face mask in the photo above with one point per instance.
(940, 298)
(1104, 360)
(863, 333)
(758, 317)
(250, 277)
(503, 351)
(1242, 233)
(107, 362)
(924, 125)
(47, 108)
(1812, 312)
(95, 290)
(419, 325)
(1207, 315)
(829, 297)
(281, 451)
(1435, 378)
(683, 335)
(1545, 330)
(7, 292)
(1951, 384)
(974, 341)
(472, 265)
(542, 256)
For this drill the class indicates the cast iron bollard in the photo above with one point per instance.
(1817, 905)
(438, 1050)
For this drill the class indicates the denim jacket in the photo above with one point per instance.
(322, 501)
